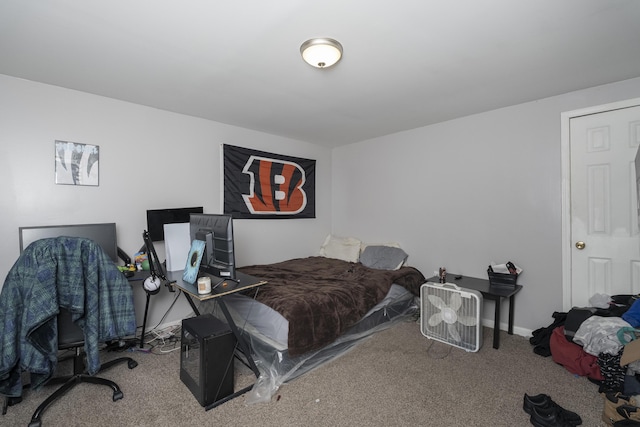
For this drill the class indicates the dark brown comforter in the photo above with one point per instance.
(322, 297)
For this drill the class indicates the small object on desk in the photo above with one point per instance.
(128, 270)
(138, 258)
(504, 275)
(457, 277)
(506, 268)
(226, 285)
(204, 285)
(505, 280)
(443, 275)
(152, 284)
(190, 274)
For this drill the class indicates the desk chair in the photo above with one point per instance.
(70, 336)
(64, 255)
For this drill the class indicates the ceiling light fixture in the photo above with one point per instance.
(321, 52)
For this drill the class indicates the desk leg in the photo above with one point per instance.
(191, 303)
(496, 324)
(512, 301)
(144, 321)
(244, 347)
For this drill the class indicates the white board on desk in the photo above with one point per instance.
(177, 243)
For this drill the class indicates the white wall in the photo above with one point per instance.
(466, 192)
(149, 159)
(458, 194)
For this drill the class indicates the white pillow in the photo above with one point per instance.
(344, 248)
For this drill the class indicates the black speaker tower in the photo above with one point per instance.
(206, 358)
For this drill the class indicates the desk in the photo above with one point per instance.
(494, 293)
(190, 291)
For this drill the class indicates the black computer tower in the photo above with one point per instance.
(206, 358)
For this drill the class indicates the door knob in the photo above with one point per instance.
(580, 245)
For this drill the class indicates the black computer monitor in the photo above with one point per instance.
(216, 230)
(103, 234)
(157, 218)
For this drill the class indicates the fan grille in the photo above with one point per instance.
(451, 315)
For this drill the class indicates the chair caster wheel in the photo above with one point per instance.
(132, 364)
(35, 423)
(117, 395)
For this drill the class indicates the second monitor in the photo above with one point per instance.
(216, 230)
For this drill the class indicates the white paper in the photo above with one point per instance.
(502, 268)
(177, 243)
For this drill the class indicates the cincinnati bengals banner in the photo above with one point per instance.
(266, 185)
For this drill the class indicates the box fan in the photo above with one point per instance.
(451, 314)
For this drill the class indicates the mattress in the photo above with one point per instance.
(259, 319)
(323, 297)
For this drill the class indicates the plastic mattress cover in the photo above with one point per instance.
(275, 365)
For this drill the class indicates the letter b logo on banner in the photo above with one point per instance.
(276, 186)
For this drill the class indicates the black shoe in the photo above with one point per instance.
(545, 401)
(619, 407)
(629, 412)
(548, 417)
(626, 423)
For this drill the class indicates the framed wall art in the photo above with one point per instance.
(77, 164)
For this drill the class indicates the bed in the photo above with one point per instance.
(314, 309)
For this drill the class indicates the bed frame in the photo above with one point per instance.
(278, 367)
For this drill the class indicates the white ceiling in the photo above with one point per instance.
(406, 63)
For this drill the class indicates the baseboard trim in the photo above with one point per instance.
(517, 330)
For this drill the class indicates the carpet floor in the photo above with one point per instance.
(395, 378)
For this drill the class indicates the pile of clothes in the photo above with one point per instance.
(600, 342)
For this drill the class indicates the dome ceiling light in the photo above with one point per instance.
(321, 52)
